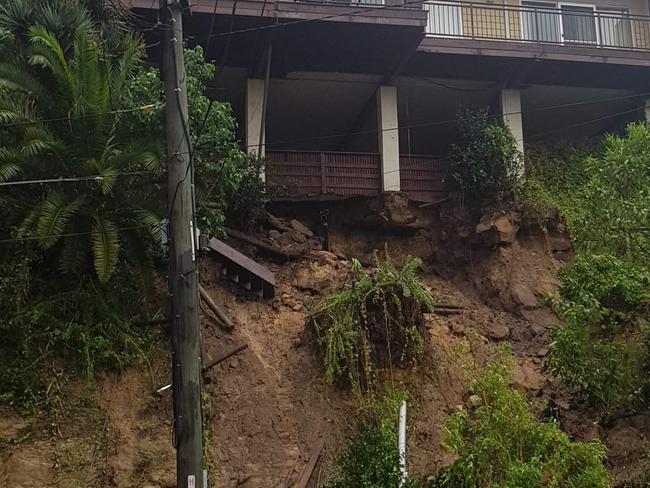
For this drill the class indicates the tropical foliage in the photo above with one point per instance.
(502, 445)
(78, 93)
(601, 347)
(79, 112)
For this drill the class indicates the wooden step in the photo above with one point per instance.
(243, 270)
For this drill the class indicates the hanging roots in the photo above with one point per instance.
(375, 321)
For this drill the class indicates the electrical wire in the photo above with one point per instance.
(316, 19)
(450, 121)
(83, 116)
(53, 180)
(73, 234)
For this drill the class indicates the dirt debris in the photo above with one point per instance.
(269, 405)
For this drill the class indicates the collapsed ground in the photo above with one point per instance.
(269, 405)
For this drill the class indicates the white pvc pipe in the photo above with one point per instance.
(401, 442)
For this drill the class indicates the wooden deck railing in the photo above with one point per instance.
(422, 177)
(311, 173)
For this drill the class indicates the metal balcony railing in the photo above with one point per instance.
(540, 22)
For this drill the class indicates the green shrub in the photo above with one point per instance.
(251, 195)
(374, 321)
(80, 327)
(371, 458)
(486, 161)
(502, 445)
(600, 348)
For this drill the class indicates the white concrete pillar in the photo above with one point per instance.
(512, 117)
(254, 109)
(387, 123)
(647, 110)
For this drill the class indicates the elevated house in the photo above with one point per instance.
(354, 98)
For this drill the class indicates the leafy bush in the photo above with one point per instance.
(53, 323)
(486, 162)
(221, 166)
(371, 459)
(373, 322)
(600, 348)
(502, 445)
(251, 195)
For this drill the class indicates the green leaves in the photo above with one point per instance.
(486, 162)
(53, 217)
(502, 445)
(105, 246)
(378, 315)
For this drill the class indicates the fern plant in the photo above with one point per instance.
(374, 321)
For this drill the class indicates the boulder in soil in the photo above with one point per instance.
(316, 276)
(526, 378)
(499, 227)
(300, 227)
(498, 332)
(524, 296)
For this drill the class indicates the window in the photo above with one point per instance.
(578, 24)
(540, 21)
(615, 27)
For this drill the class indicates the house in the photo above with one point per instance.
(363, 97)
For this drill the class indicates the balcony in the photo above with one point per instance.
(535, 29)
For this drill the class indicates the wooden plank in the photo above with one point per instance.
(308, 470)
(235, 259)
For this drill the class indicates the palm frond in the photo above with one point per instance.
(137, 160)
(54, 215)
(73, 253)
(125, 65)
(8, 171)
(46, 51)
(105, 245)
(14, 76)
(108, 173)
(148, 221)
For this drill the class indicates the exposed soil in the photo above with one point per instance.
(269, 405)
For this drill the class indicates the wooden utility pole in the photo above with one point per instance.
(183, 270)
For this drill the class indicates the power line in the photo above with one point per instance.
(316, 19)
(73, 234)
(455, 120)
(54, 180)
(84, 116)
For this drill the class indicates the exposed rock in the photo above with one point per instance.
(541, 319)
(538, 330)
(276, 223)
(274, 234)
(542, 352)
(317, 277)
(559, 243)
(297, 236)
(396, 208)
(300, 227)
(498, 332)
(523, 296)
(457, 328)
(498, 227)
(526, 378)
(475, 401)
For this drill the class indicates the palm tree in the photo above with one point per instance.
(59, 115)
